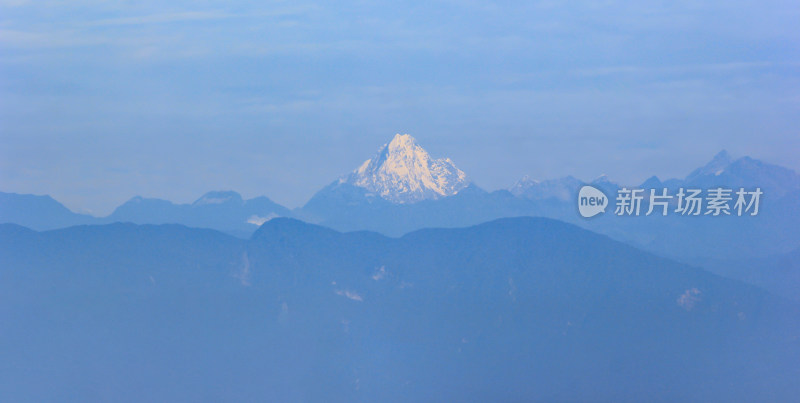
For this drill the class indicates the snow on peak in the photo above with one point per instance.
(527, 179)
(561, 189)
(403, 172)
(523, 185)
(218, 197)
(715, 167)
(259, 220)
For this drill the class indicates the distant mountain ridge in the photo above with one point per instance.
(402, 188)
(38, 212)
(222, 210)
(724, 171)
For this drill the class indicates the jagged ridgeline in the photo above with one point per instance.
(402, 189)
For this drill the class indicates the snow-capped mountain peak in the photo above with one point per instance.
(403, 172)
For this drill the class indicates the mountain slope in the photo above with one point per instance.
(514, 310)
(779, 274)
(38, 212)
(350, 208)
(745, 172)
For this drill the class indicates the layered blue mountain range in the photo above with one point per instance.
(519, 309)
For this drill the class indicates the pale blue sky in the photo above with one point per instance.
(101, 101)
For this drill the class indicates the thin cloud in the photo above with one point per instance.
(350, 295)
(164, 18)
(187, 16)
(684, 68)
